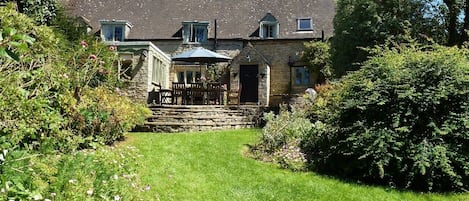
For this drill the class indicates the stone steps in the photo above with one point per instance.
(183, 118)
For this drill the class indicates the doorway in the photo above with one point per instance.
(250, 83)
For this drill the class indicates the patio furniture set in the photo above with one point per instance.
(211, 93)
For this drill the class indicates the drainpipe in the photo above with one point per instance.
(290, 64)
(215, 36)
(322, 36)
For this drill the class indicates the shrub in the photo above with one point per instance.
(52, 91)
(318, 57)
(280, 137)
(284, 128)
(402, 120)
(290, 156)
(103, 117)
(54, 100)
(86, 175)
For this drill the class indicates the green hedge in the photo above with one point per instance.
(402, 120)
(58, 97)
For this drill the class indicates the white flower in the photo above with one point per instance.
(116, 177)
(117, 197)
(1, 157)
(37, 197)
(89, 192)
(72, 181)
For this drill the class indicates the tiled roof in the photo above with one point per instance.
(162, 19)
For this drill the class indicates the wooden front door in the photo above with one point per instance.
(249, 83)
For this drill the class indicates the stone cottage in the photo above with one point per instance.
(264, 38)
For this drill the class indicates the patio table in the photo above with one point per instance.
(198, 93)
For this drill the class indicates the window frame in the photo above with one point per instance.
(305, 79)
(156, 70)
(115, 30)
(184, 74)
(269, 27)
(191, 34)
(298, 24)
(112, 29)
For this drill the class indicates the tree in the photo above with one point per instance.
(317, 56)
(361, 24)
(456, 27)
(42, 11)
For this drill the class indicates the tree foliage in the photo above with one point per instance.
(317, 56)
(42, 11)
(402, 120)
(365, 23)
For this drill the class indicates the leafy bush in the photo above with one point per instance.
(42, 95)
(317, 55)
(290, 156)
(281, 136)
(102, 116)
(54, 100)
(402, 120)
(104, 174)
(284, 128)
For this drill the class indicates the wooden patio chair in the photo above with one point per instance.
(196, 93)
(159, 95)
(214, 93)
(179, 91)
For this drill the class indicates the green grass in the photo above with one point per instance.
(211, 166)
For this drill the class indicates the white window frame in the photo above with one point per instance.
(157, 70)
(298, 22)
(113, 28)
(189, 32)
(264, 26)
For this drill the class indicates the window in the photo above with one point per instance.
(157, 71)
(305, 24)
(195, 32)
(113, 33)
(188, 76)
(114, 30)
(268, 27)
(302, 76)
(268, 31)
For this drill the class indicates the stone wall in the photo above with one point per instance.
(140, 56)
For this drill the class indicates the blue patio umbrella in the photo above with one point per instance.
(200, 55)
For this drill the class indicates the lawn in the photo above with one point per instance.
(211, 166)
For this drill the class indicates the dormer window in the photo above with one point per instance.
(268, 27)
(304, 24)
(115, 30)
(195, 32)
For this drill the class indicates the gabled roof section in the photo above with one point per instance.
(269, 18)
(250, 54)
(162, 19)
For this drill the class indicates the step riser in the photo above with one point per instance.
(200, 118)
(174, 129)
